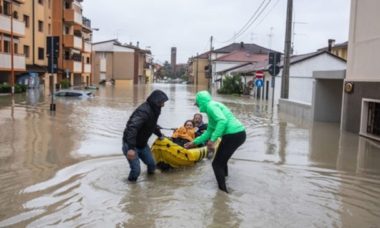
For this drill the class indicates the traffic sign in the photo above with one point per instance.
(259, 83)
(259, 74)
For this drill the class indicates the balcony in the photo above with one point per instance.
(87, 68)
(86, 23)
(70, 15)
(18, 26)
(73, 66)
(18, 62)
(87, 47)
(71, 41)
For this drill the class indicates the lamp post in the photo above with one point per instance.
(12, 54)
(92, 58)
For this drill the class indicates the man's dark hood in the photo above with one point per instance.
(155, 99)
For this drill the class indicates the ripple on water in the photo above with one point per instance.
(96, 192)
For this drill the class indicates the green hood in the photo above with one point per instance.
(202, 99)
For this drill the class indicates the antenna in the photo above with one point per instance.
(270, 36)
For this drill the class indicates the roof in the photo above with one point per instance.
(118, 43)
(115, 41)
(242, 56)
(299, 58)
(246, 67)
(340, 45)
(251, 48)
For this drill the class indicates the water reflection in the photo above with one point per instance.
(67, 169)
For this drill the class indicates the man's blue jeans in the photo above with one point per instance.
(146, 156)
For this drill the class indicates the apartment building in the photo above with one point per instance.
(74, 32)
(361, 97)
(35, 20)
(12, 30)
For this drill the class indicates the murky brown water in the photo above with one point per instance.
(67, 169)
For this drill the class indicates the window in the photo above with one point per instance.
(41, 53)
(26, 20)
(7, 8)
(88, 60)
(67, 30)
(41, 2)
(49, 28)
(7, 46)
(15, 48)
(40, 26)
(26, 51)
(15, 14)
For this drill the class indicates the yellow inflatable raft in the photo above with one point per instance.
(168, 154)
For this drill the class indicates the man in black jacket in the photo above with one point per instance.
(140, 126)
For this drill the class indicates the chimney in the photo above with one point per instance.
(331, 44)
(137, 44)
(241, 44)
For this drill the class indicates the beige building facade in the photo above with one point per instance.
(114, 61)
(361, 97)
(12, 31)
(196, 70)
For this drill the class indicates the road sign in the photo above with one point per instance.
(259, 74)
(273, 70)
(259, 83)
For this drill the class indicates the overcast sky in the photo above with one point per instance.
(188, 24)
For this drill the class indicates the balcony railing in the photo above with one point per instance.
(73, 66)
(70, 15)
(18, 61)
(71, 41)
(18, 26)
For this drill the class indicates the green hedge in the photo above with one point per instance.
(6, 88)
(65, 84)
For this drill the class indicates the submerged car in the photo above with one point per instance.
(73, 93)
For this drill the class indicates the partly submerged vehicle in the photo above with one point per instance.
(73, 93)
(168, 154)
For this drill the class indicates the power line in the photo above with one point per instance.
(251, 20)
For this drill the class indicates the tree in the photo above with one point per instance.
(231, 85)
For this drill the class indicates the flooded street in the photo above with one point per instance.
(68, 170)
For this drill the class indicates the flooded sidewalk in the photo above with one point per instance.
(67, 169)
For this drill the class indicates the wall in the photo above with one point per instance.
(301, 76)
(364, 41)
(363, 68)
(123, 65)
(327, 103)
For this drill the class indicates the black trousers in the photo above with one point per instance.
(227, 147)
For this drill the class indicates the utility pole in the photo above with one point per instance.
(196, 72)
(288, 42)
(210, 65)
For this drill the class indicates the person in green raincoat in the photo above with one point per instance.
(221, 124)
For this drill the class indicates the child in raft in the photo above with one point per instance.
(184, 134)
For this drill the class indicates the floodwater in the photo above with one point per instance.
(67, 170)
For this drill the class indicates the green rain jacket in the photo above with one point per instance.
(220, 119)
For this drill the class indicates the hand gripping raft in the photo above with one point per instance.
(170, 155)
